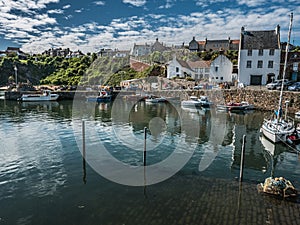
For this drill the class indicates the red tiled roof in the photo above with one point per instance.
(235, 42)
(138, 66)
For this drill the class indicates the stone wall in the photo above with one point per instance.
(262, 99)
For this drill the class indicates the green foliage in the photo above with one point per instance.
(91, 69)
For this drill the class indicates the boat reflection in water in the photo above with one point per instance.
(42, 105)
(41, 165)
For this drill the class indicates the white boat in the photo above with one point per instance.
(153, 99)
(45, 96)
(192, 102)
(205, 103)
(278, 129)
(103, 96)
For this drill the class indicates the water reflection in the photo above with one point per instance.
(41, 165)
(122, 123)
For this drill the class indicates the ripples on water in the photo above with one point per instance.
(41, 167)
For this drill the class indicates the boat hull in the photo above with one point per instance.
(275, 134)
(37, 98)
(155, 100)
(99, 99)
(190, 103)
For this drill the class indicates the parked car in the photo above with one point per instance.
(294, 87)
(286, 84)
(274, 84)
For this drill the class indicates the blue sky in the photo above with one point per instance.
(89, 25)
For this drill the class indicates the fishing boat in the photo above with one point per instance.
(236, 106)
(103, 96)
(278, 129)
(45, 96)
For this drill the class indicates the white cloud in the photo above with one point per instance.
(27, 6)
(137, 3)
(156, 16)
(251, 3)
(129, 33)
(206, 3)
(66, 6)
(55, 11)
(99, 3)
(38, 31)
(68, 17)
(169, 4)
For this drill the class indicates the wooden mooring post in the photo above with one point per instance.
(145, 147)
(83, 152)
(145, 160)
(242, 158)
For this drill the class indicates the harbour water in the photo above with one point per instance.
(191, 175)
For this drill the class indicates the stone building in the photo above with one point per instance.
(259, 56)
(146, 49)
(213, 45)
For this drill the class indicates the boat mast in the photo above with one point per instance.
(285, 66)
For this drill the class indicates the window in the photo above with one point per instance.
(249, 64)
(260, 52)
(259, 64)
(216, 69)
(177, 69)
(221, 78)
(249, 52)
(270, 64)
(271, 52)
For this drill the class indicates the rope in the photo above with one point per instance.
(289, 146)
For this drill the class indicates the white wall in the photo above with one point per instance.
(221, 70)
(171, 70)
(245, 73)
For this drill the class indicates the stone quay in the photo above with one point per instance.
(261, 98)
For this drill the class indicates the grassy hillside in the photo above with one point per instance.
(90, 69)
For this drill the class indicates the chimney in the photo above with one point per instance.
(277, 29)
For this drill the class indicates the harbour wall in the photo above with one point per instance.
(262, 99)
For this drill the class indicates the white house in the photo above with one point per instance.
(178, 68)
(221, 70)
(259, 56)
